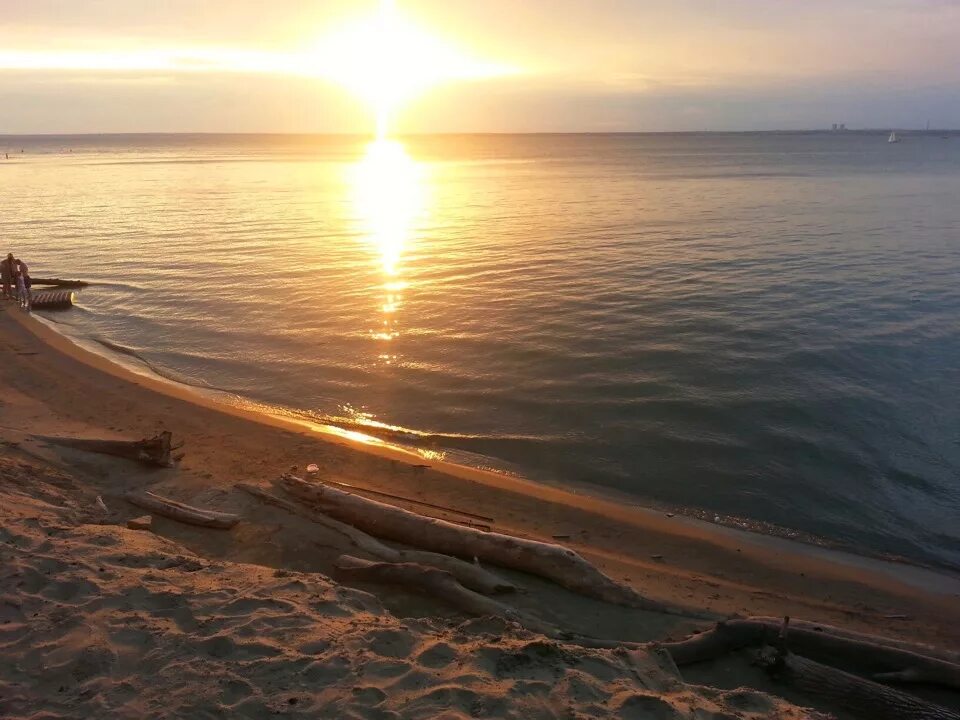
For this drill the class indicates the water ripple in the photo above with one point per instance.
(760, 325)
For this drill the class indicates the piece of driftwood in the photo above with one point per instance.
(144, 522)
(439, 584)
(152, 451)
(469, 574)
(57, 282)
(414, 501)
(182, 512)
(951, 656)
(864, 698)
(442, 585)
(557, 563)
(882, 658)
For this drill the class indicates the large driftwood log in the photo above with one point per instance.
(439, 584)
(152, 451)
(859, 696)
(182, 512)
(554, 562)
(443, 586)
(470, 575)
(885, 659)
(914, 647)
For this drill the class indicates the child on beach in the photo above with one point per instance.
(23, 284)
(6, 275)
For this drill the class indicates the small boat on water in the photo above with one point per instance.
(58, 296)
(52, 299)
(893, 138)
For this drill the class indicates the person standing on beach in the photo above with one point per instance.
(23, 284)
(6, 275)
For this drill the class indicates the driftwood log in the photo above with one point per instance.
(182, 512)
(474, 517)
(554, 562)
(441, 585)
(152, 451)
(864, 698)
(471, 575)
(883, 659)
(57, 282)
(823, 628)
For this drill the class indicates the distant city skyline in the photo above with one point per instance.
(496, 66)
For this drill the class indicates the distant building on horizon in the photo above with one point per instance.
(839, 127)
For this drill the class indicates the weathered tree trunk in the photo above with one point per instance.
(443, 586)
(861, 697)
(470, 575)
(182, 512)
(914, 647)
(554, 562)
(439, 584)
(152, 451)
(866, 653)
(726, 636)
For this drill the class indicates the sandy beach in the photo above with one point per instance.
(182, 621)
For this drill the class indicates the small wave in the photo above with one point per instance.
(49, 317)
(157, 369)
(117, 347)
(405, 434)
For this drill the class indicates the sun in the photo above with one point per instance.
(387, 60)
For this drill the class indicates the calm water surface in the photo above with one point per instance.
(762, 325)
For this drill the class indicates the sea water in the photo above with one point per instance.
(765, 326)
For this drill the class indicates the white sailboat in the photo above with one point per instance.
(893, 137)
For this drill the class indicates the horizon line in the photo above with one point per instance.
(829, 131)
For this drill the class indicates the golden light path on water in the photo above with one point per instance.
(391, 201)
(390, 189)
(390, 198)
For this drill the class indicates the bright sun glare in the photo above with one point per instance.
(387, 60)
(389, 193)
(389, 196)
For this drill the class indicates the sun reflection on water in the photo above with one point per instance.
(390, 198)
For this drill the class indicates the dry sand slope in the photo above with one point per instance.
(100, 621)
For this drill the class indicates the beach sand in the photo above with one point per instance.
(100, 620)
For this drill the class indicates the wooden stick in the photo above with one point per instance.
(471, 575)
(380, 493)
(554, 562)
(182, 512)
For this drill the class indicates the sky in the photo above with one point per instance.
(78, 66)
